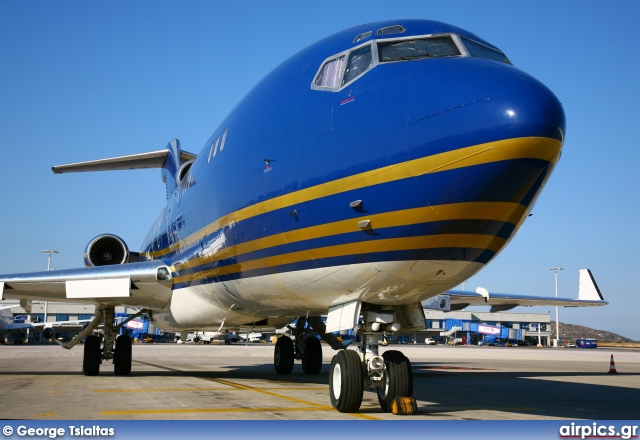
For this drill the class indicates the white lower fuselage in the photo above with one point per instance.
(281, 297)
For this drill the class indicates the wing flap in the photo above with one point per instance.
(147, 284)
(88, 289)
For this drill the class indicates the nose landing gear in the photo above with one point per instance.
(389, 375)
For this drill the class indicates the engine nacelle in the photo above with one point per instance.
(48, 333)
(105, 250)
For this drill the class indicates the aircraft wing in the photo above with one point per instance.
(42, 325)
(9, 306)
(145, 284)
(588, 296)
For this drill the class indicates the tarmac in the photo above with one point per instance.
(238, 382)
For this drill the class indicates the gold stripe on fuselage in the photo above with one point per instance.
(476, 241)
(520, 148)
(498, 211)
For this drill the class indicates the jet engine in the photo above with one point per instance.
(106, 249)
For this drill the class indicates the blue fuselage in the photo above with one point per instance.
(445, 155)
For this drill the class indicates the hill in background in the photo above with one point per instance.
(572, 332)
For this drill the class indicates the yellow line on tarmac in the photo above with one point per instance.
(311, 406)
(208, 410)
(49, 414)
(226, 388)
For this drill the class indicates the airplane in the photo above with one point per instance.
(204, 337)
(375, 169)
(10, 329)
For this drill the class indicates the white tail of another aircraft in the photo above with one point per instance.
(587, 287)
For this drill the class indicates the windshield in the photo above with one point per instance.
(482, 51)
(400, 50)
(359, 62)
(330, 73)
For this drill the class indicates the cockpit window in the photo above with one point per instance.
(481, 51)
(389, 30)
(401, 50)
(341, 69)
(360, 61)
(362, 36)
(330, 74)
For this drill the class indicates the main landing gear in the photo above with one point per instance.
(106, 347)
(351, 371)
(305, 347)
(116, 348)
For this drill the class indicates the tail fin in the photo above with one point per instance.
(587, 287)
(170, 160)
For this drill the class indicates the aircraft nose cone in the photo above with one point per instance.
(482, 102)
(524, 106)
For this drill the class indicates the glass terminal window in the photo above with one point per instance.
(360, 61)
(401, 50)
(482, 51)
(330, 74)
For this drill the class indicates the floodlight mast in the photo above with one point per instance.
(48, 251)
(556, 269)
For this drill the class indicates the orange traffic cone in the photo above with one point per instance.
(612, 366)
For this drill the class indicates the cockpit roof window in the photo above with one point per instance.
(362, 36)
(390, 30)
(417, 48)
(481, 51)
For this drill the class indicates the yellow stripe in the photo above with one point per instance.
(218, 410)
(49, 414)
(394, 244)
(498, 211)
(166, 390)
(315, 406)
(519, 148)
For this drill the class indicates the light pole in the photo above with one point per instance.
(556, 269)
(48, 251)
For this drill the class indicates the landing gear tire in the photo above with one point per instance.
(346, 381)
(283, 355)
(398, 379)
(92, 356)
(122, 356)
(312, 359)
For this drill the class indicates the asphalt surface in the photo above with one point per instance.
(238, 382)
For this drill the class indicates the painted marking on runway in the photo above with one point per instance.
(448, 367)
(310, 406)
(226, 388)
(211, 410)
(49, 414)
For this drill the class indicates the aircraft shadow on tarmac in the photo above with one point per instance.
(526, 393)
(443, 392)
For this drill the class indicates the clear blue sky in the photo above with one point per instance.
(85, 80)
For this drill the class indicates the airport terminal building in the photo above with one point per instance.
(465, 327)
